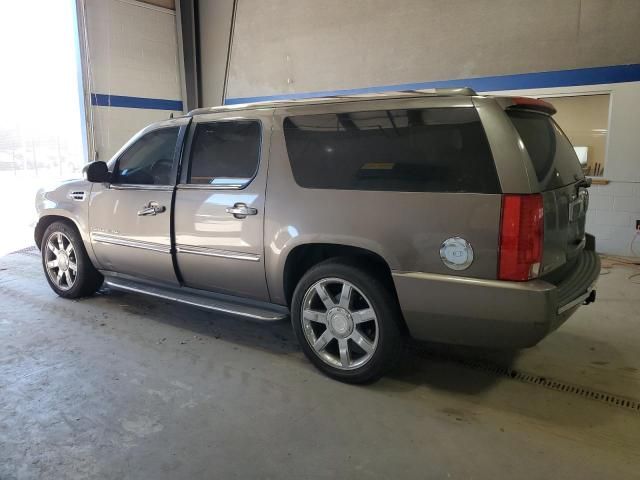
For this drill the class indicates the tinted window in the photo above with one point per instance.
(225, 153)
(421, 150)
(149, 161)
(552, 154)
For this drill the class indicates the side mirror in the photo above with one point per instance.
(97, 172)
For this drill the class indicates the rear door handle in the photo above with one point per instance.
(152, 208)
(240, 210)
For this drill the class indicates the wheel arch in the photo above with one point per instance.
(60, 216)
(303, 257)
(46, 220)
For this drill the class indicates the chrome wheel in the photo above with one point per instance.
(339, 323)
(60, 260)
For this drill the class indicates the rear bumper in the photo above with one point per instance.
(493, 313)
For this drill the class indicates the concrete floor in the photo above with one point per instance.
(121, 386)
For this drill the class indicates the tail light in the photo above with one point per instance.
(521, 237)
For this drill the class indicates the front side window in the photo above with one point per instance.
(149, 161)
(225, 153)
(414, 150)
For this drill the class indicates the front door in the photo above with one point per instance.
(130, 219)
(219, 209)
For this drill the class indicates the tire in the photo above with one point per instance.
(86, 280)
(337, 325)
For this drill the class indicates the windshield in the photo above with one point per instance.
(554, 159)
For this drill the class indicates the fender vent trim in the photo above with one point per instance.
(77, 195)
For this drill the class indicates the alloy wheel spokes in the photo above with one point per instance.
(339, 323)
(345, 295)
(324, 296)
(60, 260)
(345, 355)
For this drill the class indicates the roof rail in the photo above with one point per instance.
(448, 92)
(431, 92)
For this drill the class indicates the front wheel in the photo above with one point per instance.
(66, 264)
(347, 322)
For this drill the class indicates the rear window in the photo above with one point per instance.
(419, 150)
(554, 159)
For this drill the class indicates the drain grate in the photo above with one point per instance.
(27, 251)
(530, 378)
(495, 369)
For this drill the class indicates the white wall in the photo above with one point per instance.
(133, 52)
(614, 208)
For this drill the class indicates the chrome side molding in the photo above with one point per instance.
(215, 302)
(131, 186)
(109, 239)
(212, 252)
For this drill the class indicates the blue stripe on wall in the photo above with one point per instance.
(558, 78)
(103, 100)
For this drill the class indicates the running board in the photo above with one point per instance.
(209, 301)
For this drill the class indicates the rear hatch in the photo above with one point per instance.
(560, 179)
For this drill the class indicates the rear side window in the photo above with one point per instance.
(554, 159)
(417, 150)
(225, 153)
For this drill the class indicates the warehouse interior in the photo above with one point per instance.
(122, 385)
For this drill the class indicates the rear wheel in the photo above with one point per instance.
(66, 264)
(347, 322)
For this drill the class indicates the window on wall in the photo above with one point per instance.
(585, 120)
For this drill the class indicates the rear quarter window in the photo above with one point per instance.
(417, 150)
(554, 159)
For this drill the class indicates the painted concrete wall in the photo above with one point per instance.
(133, 53)
(288, 46)
(214, 45)
(301, 46)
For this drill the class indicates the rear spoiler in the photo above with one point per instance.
(526, 103)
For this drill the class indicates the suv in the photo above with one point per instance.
(440, 215)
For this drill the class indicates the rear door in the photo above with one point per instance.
(561, 182)
(219, 208)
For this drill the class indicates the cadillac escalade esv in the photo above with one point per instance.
(439, 215)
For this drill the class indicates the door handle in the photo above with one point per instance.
(240, 210)
(152, 208)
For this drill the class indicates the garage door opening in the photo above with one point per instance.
(41, 129)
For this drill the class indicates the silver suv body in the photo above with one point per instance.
(441, 215)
